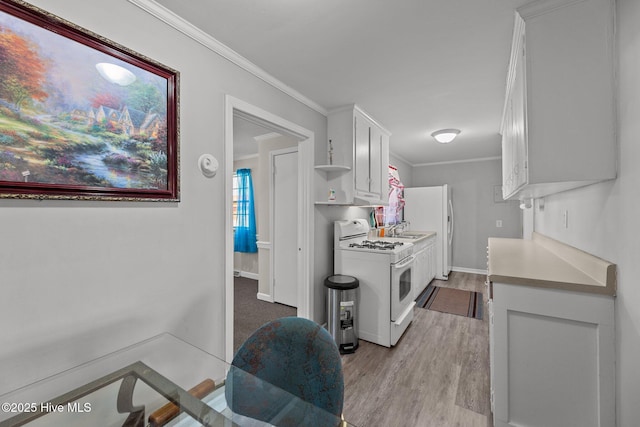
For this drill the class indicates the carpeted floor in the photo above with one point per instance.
(249, 313)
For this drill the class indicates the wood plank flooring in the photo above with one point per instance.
(437, 375)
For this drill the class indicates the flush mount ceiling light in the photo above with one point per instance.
(115, 73)
(444, 136)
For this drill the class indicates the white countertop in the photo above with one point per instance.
(544, 262)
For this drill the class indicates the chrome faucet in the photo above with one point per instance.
(397, 229)
(391, 231)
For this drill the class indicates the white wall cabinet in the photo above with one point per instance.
(558, 128)
(361, 151)
(514, 140)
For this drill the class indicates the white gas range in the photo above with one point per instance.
(384, 269)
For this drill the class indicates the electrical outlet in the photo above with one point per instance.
(499, 223)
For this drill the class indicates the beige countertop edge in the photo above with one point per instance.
(549, 284)
(538, 263)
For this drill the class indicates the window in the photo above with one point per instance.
(235, 200)
(244, 219)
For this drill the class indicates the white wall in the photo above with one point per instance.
(475, 212)
(603, 218)
(80, 279)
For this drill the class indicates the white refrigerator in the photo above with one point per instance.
(431, 209)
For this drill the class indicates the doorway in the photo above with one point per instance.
(236, 109)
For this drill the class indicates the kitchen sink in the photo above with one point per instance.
(410, 235)
(407, 235)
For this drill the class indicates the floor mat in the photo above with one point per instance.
(452, 301)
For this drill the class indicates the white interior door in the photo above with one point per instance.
(285, 233)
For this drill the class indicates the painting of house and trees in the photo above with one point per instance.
(77, 120)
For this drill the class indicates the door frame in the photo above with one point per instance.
(272, 212)
(239, 108)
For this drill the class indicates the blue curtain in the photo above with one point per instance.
(245, 233)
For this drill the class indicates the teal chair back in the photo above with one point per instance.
(300, 358)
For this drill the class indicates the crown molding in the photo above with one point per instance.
(399, 157)
(451, 162)
(542, 7)
(195, 33)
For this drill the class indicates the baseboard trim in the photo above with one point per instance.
(264, 297)
(469, 270)
(263, 245)
(252, 276)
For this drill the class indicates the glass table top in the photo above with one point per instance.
(160, 381)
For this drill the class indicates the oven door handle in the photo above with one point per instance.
(404, 263)
(405, 313)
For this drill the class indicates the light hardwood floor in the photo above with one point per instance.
(437, 375)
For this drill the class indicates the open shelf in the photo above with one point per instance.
(333, 203)
(333, 168)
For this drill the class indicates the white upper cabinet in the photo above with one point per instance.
(558, 127)
(514, 139)
(361, 147)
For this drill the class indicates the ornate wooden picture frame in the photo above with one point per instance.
(82, 117)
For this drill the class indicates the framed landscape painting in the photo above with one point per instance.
(82, 117)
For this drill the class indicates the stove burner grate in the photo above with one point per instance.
(376, 245)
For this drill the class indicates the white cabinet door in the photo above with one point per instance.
(519, 117)
(552, 357)
(507, 149)
(492, 368)
(371, 161)
(514, 137)
(375, 164)
(418, 273)
(431, 259)
(362, 135)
